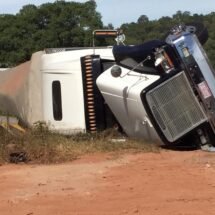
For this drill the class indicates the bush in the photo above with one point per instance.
(39, 145)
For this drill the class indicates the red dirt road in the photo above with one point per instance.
(175, 183)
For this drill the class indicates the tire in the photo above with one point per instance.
(199, 29)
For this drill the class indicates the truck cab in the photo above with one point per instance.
(165, 88)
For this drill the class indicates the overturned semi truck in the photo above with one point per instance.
(162, 89)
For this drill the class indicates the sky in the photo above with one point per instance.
(118, 12)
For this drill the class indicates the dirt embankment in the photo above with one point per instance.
(176, 183)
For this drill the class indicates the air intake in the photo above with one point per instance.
(175, 107)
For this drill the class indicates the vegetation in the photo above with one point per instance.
(70, 24)
(59, 24)
(41, 146)
(144, 29)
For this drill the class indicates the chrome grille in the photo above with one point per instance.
(175, 107)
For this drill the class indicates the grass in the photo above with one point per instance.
(41, 146)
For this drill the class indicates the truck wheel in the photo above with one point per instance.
(199, 29)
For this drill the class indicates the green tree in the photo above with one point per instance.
(142, 19)
(58, 24)
(70, 24)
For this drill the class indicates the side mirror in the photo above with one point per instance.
(116, 71)
(158, 61)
